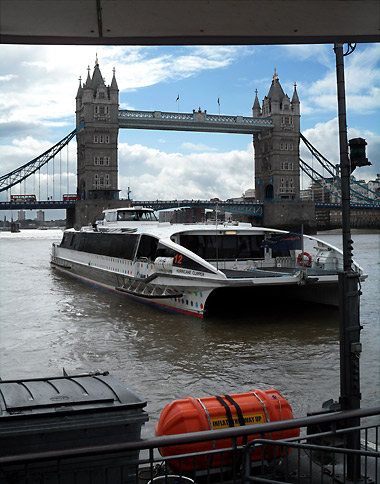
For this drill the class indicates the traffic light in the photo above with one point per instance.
(357, 153)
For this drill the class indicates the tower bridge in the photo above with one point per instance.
(274, 126)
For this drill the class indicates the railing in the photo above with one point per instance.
(321, 456)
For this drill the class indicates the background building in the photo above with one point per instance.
(40, 216)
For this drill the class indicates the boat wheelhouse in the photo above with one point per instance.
(193, 268)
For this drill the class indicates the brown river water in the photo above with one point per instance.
(49, 322)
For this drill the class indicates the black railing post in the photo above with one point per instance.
(349, 320)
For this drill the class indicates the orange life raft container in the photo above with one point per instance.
(213, 413)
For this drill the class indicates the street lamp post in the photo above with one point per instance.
(349, 284)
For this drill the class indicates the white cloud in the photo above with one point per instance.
(39, 84)
(325, 138)
(196, 147)
(317, 53)
(8, 77)
(362, 85)
(154, 174)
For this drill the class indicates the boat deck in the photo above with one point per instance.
(276, 272)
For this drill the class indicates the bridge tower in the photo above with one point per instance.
(277, 173)
(97, 163)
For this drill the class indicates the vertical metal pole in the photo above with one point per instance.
(344, 160)
(349, 320)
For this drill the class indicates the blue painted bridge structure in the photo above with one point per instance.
(243, 207)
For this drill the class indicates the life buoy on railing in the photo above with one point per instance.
(301, 259)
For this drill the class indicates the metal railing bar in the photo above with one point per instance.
(294, 445)
(193, 437)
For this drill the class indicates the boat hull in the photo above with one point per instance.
(185, 302)
(199, 298)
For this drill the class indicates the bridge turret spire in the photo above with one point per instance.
(295, 99)
(97, 78)
(113, 82)
(80, 89)
(256, 108)
(88, 80)
(275, 92)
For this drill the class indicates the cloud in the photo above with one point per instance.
(362, 85)
(317, 53)
(38, 85)
(8, 77)
(325, 138)
(154, 174)
(196, 147)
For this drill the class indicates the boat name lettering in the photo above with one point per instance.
(184, 271)
(190, 272)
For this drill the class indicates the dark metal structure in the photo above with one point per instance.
(186, 22)
(315, 457)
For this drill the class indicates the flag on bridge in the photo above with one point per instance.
(289, 241)
(177, 98)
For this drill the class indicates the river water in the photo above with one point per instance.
(49, 322)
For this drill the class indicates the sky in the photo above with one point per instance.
(38, 85)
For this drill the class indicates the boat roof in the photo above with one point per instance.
(165, 230)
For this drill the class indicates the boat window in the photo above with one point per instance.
(148, 216)
(164, 251)
(280, 253)
(212, 247)
(147, 247)
(126, 215)
(184, 262)
(136, 215)
(111, 245)
(179, 260)
(111, 216)
(75, 241)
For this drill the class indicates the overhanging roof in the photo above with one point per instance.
(170, 22)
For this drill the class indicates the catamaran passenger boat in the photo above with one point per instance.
(193, 268)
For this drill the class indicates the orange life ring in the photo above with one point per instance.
(300, 259)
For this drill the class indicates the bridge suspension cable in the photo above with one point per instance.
(334, 171)
(317, 178)
(17, 176)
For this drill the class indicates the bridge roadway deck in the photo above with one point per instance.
(241, 207)
(195, 121)
(247, 207)
(37, 205)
